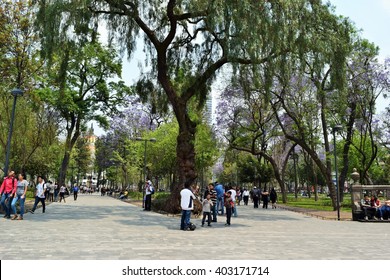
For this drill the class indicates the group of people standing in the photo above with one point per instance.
(217, 200)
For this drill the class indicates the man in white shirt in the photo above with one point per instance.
(148, 195)
(39, 195)
(246, 196)
(187, 205)
(233, 197)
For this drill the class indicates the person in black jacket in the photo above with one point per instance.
(256, 197)
(264, 198)
(273, 197)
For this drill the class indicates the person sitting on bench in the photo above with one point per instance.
(367, 207)
(384, 210)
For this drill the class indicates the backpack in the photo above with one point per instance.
(192, 227)
(151, 190)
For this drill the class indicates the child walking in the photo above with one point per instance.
(207, 204)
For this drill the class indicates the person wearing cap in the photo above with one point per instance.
(7, 191)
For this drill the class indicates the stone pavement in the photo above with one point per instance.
(95, 227)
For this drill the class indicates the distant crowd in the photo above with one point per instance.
(14, 189)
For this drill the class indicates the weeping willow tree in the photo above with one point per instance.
(190, 39)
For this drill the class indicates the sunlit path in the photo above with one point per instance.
(96, 227)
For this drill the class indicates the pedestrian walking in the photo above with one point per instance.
(7, 191)
(273, 196)
(20, 195)
(75, 192)
(56, 191)
(256, 197)
(47, 191)
(62, 193)
(245, 195)
(265, 198)
(39, 195)
(51, 192)
(228, 205)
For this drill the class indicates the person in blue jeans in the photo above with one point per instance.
(7, 190)
(220, 194)
(20, 195)
(187, 205)
(384, 209)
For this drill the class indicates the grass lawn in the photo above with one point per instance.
(324, 203)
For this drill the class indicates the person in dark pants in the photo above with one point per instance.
(148, 195)
(187, 205)
(213, 195)
(75, 192)
(256, 197)
(273, 196)
(39, 195)
(206, 206)
(228, 205)
(264, 198)
(245, 195)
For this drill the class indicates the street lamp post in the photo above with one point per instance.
(334, 130)
(15, 92)
(295, 157)
(72, 178)
(144, 168)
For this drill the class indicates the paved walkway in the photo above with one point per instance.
(96, 227)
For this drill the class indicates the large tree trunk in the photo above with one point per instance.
(328, 171)
(73, 133)
(185, 151)
(348, 142)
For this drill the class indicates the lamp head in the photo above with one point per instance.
(337, 128)
(17, 92)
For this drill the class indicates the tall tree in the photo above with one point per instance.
(79, 88)
(197, 37)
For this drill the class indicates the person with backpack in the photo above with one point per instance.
(149, 191)
(20, 195)
(7, 191)
(39, 195)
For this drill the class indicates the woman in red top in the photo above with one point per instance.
(7, 190)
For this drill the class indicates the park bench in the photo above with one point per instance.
(358, 192)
